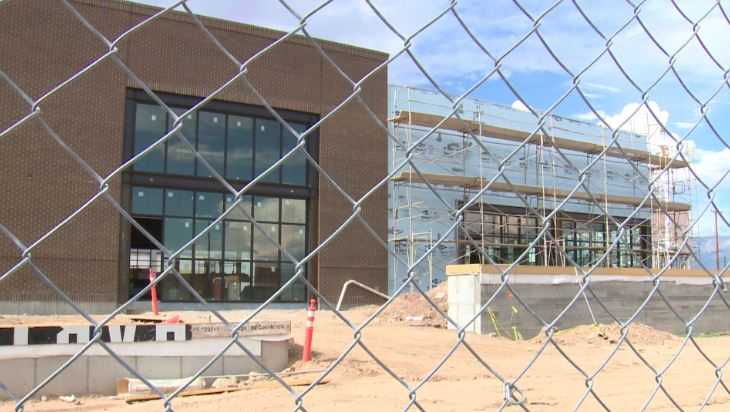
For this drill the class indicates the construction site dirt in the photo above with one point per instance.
(412, 350)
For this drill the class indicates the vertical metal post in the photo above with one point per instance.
(717, 244)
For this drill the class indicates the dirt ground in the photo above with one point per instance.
(462, 384)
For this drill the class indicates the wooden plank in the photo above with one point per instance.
(260, 384)
(147, 318)
(183, 394)
(134, 386)
(471, 182)
(518, 136)
(527, 270)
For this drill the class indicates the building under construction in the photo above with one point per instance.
(451, 168)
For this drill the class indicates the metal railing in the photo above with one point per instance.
(361, 286)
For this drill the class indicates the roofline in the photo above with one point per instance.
(506, 107)
(232, 26)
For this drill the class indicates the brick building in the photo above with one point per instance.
(98, 259)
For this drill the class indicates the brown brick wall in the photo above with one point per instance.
(41, 44)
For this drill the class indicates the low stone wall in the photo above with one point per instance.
(547, 294)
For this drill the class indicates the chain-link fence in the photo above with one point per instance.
(464, 19)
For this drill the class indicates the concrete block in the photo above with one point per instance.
(105, 371)
(239, 365)
(464, 313)
(275, 354)
(71, 381)
(157, 367)
(463, 289)
(18, 376)
(192, 364)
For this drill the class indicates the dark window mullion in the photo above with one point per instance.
(278, 251)
(281, 154)
(281, 203)
(196, 144)
(306, 161)
(164, 145)
(222, 257)
(252, 227)
(306, 244)
(255, 122)
(193, 246)
(225, 146)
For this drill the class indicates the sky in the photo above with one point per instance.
(457, 63)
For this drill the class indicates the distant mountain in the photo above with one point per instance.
(704, 248)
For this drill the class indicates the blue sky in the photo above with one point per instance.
(457, 63)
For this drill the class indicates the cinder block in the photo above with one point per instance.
(192, 364)
(71, 381)
(18, 376)
(158, 367)
(105, 371)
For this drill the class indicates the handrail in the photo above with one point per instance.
(361, 285)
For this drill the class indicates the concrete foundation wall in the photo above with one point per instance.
(98, 374)
(621, 298)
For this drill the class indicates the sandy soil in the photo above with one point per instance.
(462, 384)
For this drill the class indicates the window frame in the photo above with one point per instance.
(132, 178)
(572, 228)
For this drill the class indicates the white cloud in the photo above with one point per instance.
(589, 116)
(518, 105)
(601, 87)
(636, 118)
(712, 165)
(684, 125)
(709, 165)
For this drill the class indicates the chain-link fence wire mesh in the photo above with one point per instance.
(512, 394)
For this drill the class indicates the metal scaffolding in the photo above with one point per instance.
(454, 165)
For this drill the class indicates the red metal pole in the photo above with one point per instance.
(153, 293)
(309, 331)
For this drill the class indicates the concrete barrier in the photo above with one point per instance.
(548, 290)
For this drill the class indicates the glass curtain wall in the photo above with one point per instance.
(235, 260)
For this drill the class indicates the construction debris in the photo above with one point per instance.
(136, 386)
(70, 399)
(638, 334)
(412, 308)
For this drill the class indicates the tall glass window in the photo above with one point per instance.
(149, 127)
(180, 158)
(237, 147)
(239, 155)
(268, 148)
(234, 260)
(211, 142)
(174, 198)
(294, 169)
